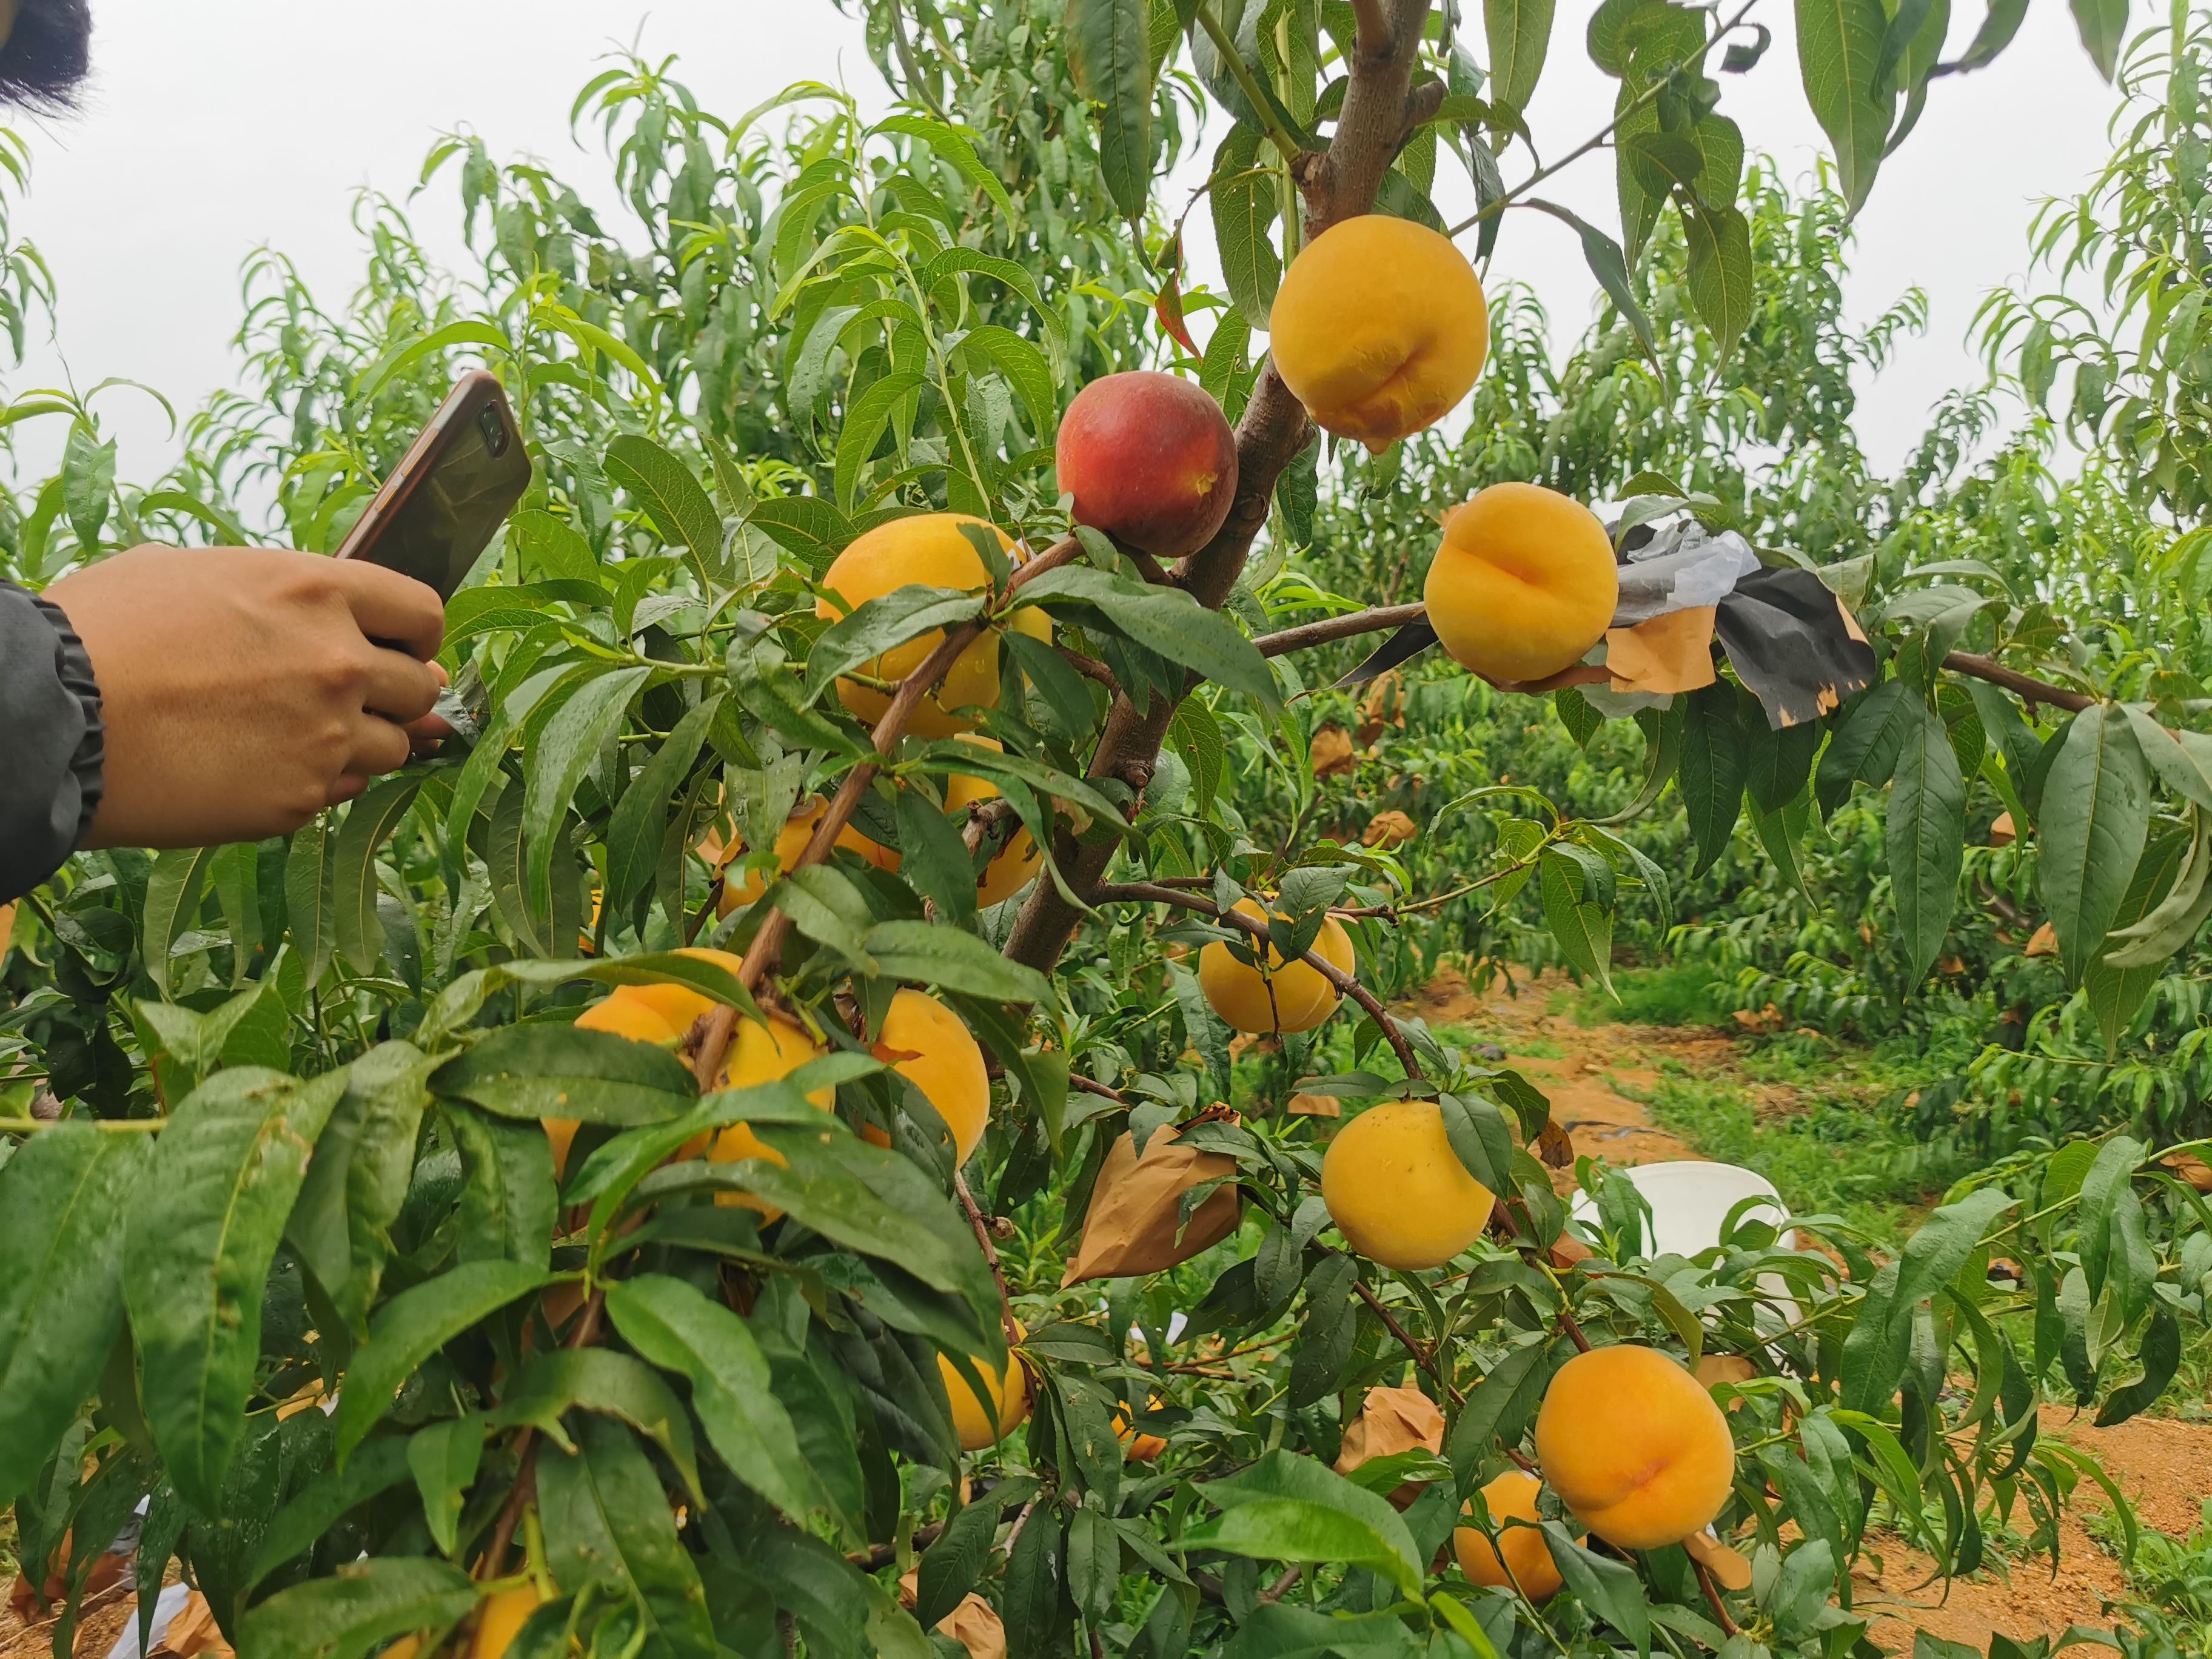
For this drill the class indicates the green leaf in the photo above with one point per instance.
(1608, 1587)
(1582, 926)
(675, 1327)
(951, 1567)
(1865, 746)
(414, 1325)
(1109, 53)
(934, 859)
(1167, 621)
(956, 149)
(509, 1199)
(365, 1604)
(2161, 1360)
(307, 1520)
(1288, 1508)
(1999, 25)
(357, 1181)
(2149, 928)
(641, 819)
(2095, 815)
(1838, 56)
(1520, 33)
(61, 1304)
(371, 818)
(863, 428)
(1246, 201)
(887, 621)
(443, 1459)
(674, 503)
(1498, 1408)
(1711, 778)
(2103, 28)
(1719, 241)
(1926, 836)
(613, 1384)
(559, 1071)
(198, 1240)
(311, 898)
(555, 764)
(173, 900)
(929, 955)
(1610, 266)
(88, 482)
(608, 1523)
(1025, 368)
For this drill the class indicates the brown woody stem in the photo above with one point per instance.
(1424, 1355)
(525, 1452)
(982, 1231)
(1713, 1597)
(1146, 892)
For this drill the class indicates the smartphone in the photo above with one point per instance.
(448, 496)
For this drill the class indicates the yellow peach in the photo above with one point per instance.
(1282, 996)
(929, 550)
(1396, 1190)
(979, 1426)
(660, 1013)
(1635, 1446)
(1512, 1497)
(762, 1053)
(1015, 866)
(500, 1620)
(926, 1043)
(1379, 329)
(790, 842)
(1523, 584)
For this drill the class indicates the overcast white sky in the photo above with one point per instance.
(214, 127)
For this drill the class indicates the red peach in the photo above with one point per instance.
(1150, 460)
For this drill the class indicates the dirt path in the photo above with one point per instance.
(2160, 1464)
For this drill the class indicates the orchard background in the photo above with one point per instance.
(403, 1117)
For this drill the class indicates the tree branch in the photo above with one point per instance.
(1424, 1356)
(1146, 892)
(974, 1214)
(1330, 629)
(2025, 687)
(1274, 430)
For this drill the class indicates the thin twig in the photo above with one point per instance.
(982, 1229)
(1241, 72)
(1076, 1080)
(1146, 892)
(1570, 1325)
(1281, 1587)
(1330, 629)
(2025, 687)
(525, 1451)
(1424, 1355)
(1713, 1597)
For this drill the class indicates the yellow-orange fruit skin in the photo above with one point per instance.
(979, 1426)
(1523, 584)
(1302, 997)
(1635, 1446)
(762, 1054)
(928, 550)
(1512, 1497)
(1379, 329)
(1016, 864)
(926, 1044)
(1397, 1191)
(644, 1013)
(790, 842)
(500, 1620)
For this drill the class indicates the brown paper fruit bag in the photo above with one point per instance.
(1132, 1227)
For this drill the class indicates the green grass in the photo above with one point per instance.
(1835, 1150)
(1682, 993)
(2170, 1580)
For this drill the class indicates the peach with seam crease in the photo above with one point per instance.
(1285, 995)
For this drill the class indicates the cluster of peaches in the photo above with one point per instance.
(1380, 330)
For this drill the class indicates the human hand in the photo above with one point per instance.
(241, 690)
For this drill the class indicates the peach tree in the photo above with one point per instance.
(658, 1179)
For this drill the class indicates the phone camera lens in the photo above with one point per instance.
(493, 430)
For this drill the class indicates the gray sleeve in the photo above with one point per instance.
(51, 741)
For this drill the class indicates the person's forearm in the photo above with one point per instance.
(50, 741)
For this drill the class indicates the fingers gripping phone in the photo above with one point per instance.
(449, 494)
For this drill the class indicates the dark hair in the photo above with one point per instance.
(46, 54)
